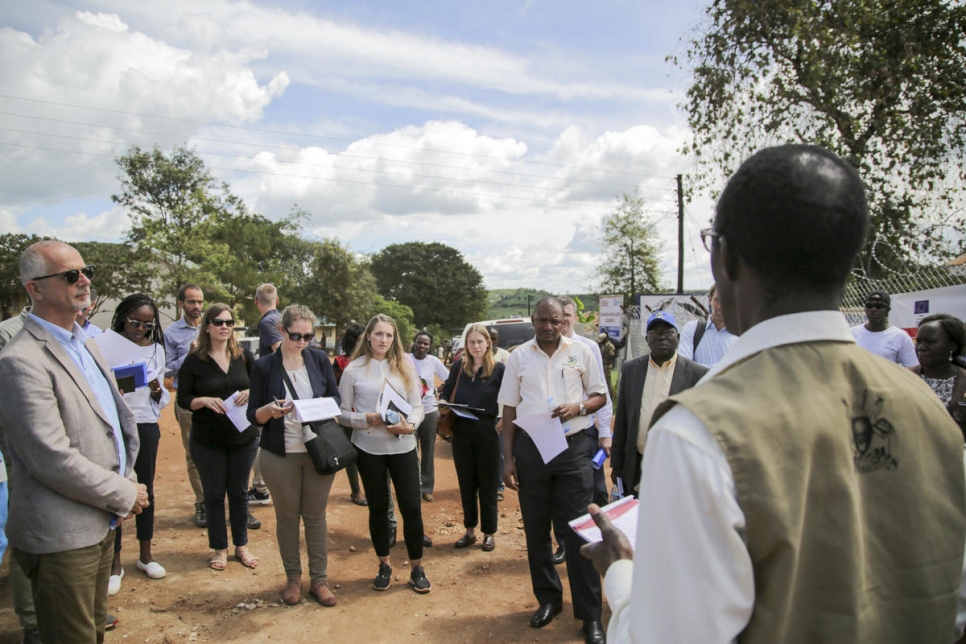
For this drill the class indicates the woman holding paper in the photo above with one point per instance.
(136, 319)
(298, 491)
(476, 377)
(213, 380)
(379, 372)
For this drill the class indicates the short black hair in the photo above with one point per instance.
(350, 337)
(797, 215)
(183, 292)
(953, 327)
(423, 332)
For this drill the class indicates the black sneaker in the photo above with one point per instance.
(253, 522)
(417, 579)
(258, 498)
(201, 517)
(384, 578)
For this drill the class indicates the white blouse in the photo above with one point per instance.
(361, 388)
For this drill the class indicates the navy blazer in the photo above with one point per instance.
(267, 383)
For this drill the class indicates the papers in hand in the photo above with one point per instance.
(547, 434)
(309, 410)
(391, 399)
(463, 411)
(236, 412)
(623, 514)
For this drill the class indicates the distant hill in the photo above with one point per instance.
(512, 302)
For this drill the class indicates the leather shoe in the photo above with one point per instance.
(465, 540)
(427, 542)
(594, 632)
(561, 555)
(544, 614)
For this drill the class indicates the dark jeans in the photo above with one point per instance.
(476, 456)
(403, 469)
(225, 471)
(150, 435)
(426, 441)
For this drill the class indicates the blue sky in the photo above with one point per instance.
(505, 129)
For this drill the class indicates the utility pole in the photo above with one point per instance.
(680, 234)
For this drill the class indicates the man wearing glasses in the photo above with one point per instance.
(880, 337)
(72, 443)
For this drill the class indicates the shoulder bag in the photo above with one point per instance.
(327, 445)
(447, 419)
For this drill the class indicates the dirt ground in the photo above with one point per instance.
(476, 597)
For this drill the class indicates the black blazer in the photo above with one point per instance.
(267, 383)
(628, 414)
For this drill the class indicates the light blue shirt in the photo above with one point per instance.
(74, 344)
(177, 342)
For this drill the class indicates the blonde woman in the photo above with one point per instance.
(212, 372)
(386, 450)
(299, 492)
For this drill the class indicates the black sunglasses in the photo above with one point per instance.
(72, 275)
(220, 322)
(137, 324)
(295, 337)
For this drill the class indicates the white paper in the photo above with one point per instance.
(236, 413)
(547, 434)
(623, 514)
(118, 350)
(312, 409)
(391, 396)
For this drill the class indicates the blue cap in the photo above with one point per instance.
(661, 316)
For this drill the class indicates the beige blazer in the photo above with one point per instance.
(63, 467)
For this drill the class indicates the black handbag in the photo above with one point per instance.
(330, 450)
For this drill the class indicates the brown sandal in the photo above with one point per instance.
(219, 560)
(293, 591)
(246, 558)
(320, 590)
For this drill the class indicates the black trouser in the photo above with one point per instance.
(403, 469)
(225, 471)
(426, 441)
(352, 470)
(558, 491)
(144, 466)
(476, 456)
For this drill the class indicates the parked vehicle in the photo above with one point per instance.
(513, 333)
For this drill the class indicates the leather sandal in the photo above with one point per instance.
(219, 560)
(320, 590)
(246, 558)
(293, 591)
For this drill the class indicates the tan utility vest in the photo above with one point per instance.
(849, 472)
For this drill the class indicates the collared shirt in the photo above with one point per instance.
(712, 346)
(657, 388)
(177, 343)
(692, 579)
(536, 383)
(92, 330)
(603, 415)
(73, 343)
(268, 333)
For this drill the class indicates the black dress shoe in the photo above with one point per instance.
(561, 555)
(545, 613)
(465, 540)
(392, 537)
(594, 632)
(427, 542)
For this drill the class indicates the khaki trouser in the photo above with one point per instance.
(184, 421)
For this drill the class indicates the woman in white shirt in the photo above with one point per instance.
(136, 318)
(386, 449)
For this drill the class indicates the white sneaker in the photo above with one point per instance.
(114, 583)
(154, 570)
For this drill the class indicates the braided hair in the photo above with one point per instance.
(132, 303)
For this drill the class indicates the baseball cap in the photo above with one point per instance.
(879, 296)
(661, 316)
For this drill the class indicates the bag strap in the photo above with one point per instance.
(452, 394)
(698, 334)
(288, 383)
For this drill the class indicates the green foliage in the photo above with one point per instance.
(119, 271)
(433, 280)
(509, 303)
(337, 285)
(402, 314)
(12, 246)
(881, 83)
(629, 257)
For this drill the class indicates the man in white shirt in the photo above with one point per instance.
(787, 228)
(428, 368)
(553, 377)
(706, 341)
(880, 337)
(500, 354)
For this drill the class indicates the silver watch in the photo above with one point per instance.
(583, 410)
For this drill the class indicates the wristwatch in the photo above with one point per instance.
(412, 426)
(583, 410)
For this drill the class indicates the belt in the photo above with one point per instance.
(572, 437)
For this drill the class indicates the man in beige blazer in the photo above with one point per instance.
(72, 443)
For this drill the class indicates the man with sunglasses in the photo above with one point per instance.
(72, 442)
(880, 337)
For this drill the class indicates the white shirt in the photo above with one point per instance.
(360, 388)
(893, 344)
(691, 579)
(536, 383)
(712, 346)
(605, 413)
(294, 433)
(428, 369)
(145, 409)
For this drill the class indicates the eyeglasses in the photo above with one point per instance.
(708, 236)
(70, 276)
(137, 324)
(295, 337)
(221, 322)
(876, 305)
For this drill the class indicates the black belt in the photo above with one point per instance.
(572, 437)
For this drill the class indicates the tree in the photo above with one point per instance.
(337, 285)
(882, 83)
(12, 246)
(629, 260)
(433, 280)
(118, 273)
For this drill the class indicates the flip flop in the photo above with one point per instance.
(219, 560)
(246, 558)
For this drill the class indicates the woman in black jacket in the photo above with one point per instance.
(299, 492)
